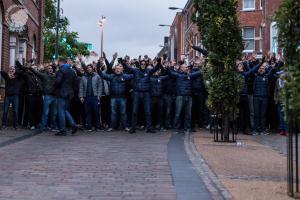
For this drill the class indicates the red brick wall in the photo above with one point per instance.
(37, 11)
(255, 19)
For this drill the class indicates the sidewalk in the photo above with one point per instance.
(255, 170)
(10, 136)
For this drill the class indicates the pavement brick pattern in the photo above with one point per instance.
(102, 166)
(251, 171)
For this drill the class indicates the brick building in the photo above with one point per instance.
(256, 22)
(22, 44)
(176, 38)
(258, 26)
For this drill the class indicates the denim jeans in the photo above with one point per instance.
(283, 123)
(14, 100)
(118, 104)
(63, 106)
(91, 109)
(139, 97)
(49, 106)
(251, 110)
(157, 116)
(169, 101)
(260, 110)
(183, 103)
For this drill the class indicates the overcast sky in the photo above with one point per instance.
(131, 26)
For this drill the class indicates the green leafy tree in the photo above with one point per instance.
(288, 22)
(221, 36)
(69, 46)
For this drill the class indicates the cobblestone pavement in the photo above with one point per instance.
(98, 166)
(9, 136)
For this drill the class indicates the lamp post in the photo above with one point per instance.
(101, 24)
(57, 29)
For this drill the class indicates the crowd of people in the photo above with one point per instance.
(134, 94)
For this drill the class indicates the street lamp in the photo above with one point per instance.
(57, 29)
(175, 8)
(101, 24)
(163, 25)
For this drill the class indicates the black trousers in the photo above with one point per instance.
(199, 115)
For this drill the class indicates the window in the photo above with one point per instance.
(248, 37)
(262, 2)
(249, 5)
(274, 38)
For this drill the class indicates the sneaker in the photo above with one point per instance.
(109, 130)
(265, 133)
(131, 131)
(32, 128)
(283, 133)
(208, 126)
(150, 131)
(61, 133)
(254, 133)
(54, 130)
(126, 129)
(74, 129)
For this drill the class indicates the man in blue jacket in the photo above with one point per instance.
(118, 91)
(184, 92)
(141, 92)
(65, 84)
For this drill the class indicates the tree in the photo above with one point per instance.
(221, 36)
(288, 22)
(69, 46)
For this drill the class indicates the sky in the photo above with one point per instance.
(131, 26)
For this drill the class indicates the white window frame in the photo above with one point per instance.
(271, 36)
(261, 39)
(261, 4)
(248, 9)
(249, 50)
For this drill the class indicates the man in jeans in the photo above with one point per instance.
(141, 93)
(49, 100)
(184, 95)
(13, 83)
(65, 84)
(90, 91)
(118, 91)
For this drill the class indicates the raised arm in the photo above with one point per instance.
(253, 70)
(105, 76)
(4, 75)
(195, 75)
(199, 49)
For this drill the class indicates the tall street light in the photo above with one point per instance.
(101, 24)
(57, 29)
(175, 8)
(163, 25)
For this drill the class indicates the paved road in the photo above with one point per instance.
(98, 166)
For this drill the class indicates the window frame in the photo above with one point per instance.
(248, 9)
(246, 39)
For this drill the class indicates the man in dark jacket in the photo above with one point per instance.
(118, 91)
(65, 83)
(33, 98)
(49, 101)
(199, 97)
(141, 93)
(90, 91)
(261, 97)
(184, 95)
(13, 84)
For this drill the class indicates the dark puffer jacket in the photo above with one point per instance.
(245, 75)
(198, 85)
(66, 81)
(157, 85)
(184, 82)
(118, 83)
(261, 84)
(142, 77)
